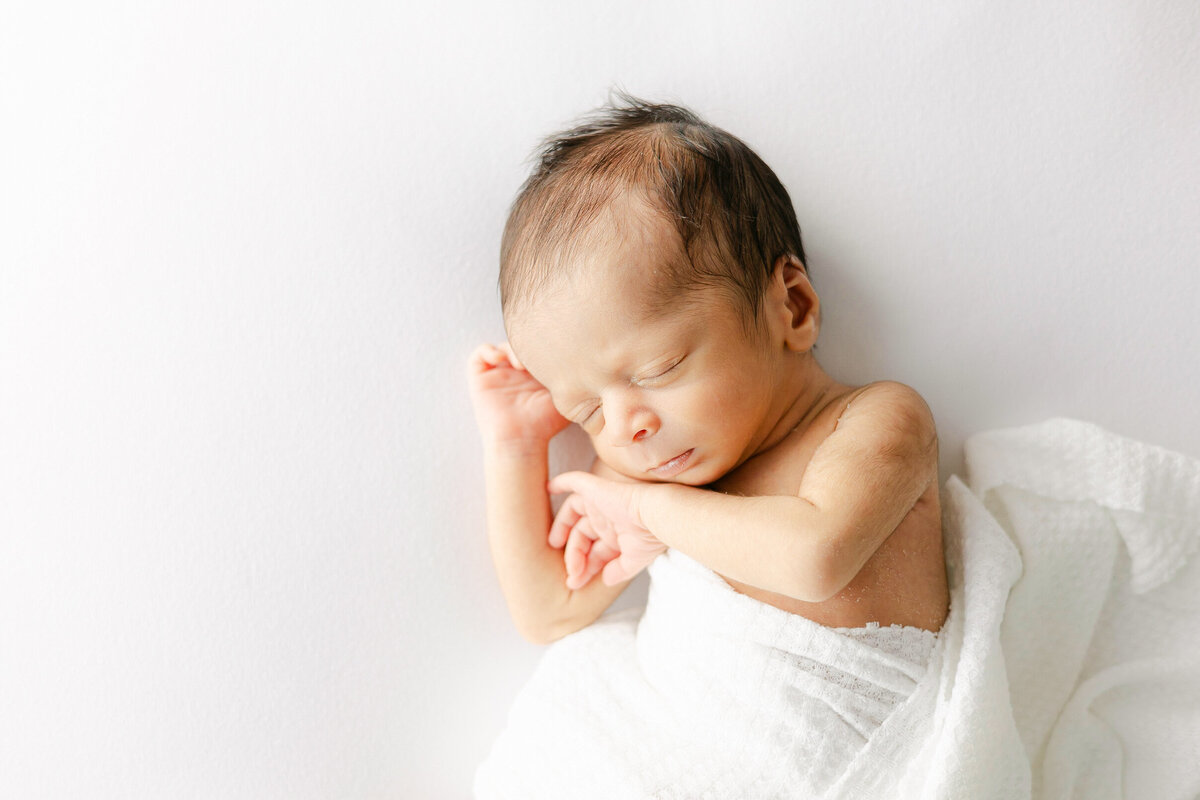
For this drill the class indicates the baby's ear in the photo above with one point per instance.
(801, 308)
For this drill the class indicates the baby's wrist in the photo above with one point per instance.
(656, 500)
(515, 447)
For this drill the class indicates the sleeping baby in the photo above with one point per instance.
(655, 292)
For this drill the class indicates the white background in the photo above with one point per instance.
(245, 250)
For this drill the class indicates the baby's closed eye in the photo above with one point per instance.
(657, 373)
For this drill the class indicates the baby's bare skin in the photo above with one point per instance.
(807, 494)
(903, 583)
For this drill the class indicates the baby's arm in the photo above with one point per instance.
(516, 421)
(861, 482)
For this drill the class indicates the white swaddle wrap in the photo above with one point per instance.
(704, 693)
(1069, 665)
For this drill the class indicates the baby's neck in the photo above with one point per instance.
(804, 392)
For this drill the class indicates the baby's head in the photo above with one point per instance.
(629, 166)
(652, 276)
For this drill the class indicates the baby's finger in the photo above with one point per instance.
(598, 557)
(477, 362)
(574, 481)
(487, 356)
(606, 533)
(575, 557)
(579, 554)
(620, 569)
(512, 357)
(568, 516)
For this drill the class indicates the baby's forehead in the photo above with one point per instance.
(605, 296)
(629, 251)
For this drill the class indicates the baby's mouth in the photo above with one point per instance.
(672, 466)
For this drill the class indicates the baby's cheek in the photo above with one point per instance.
(724, 403)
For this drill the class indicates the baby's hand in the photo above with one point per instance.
(585, 554)
(510, 405)
(601, 528)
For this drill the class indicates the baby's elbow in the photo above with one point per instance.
(820, 577)
(545, 632)
(817, 589)
(536, 634)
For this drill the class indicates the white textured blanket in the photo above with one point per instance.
(1069, 665)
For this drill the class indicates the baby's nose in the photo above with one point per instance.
(628, 423)
(640, 425)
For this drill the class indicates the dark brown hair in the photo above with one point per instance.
(732, 214)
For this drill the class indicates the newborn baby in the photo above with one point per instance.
(655, 292)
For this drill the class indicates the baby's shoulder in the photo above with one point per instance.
(888, 404)
(885, 416)
(856, 428)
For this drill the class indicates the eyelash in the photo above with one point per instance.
(662, 374)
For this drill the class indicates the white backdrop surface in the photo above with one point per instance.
(245, 249)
